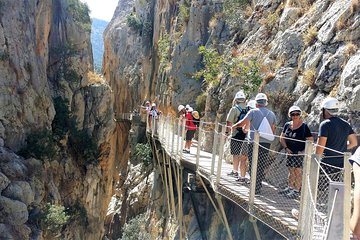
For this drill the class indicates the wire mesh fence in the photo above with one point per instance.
(292, 193)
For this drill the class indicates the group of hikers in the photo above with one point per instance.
(335, 137)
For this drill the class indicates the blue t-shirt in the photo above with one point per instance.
(336, 130)
(300, 133)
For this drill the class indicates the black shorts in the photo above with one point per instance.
(236, 144)
(190, 135)
(294, 161)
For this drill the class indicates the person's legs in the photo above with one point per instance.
(262, 164)
(242, 159)
(292, 177)
(298, 178)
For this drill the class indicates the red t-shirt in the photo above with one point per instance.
(189, 122)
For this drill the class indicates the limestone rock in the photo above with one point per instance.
(12, 212)
(289, 16)
(288, 46)
(4, 181)
(21, 191)
(14, 169)
(284, 80)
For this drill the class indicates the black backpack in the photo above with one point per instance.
(243, 113)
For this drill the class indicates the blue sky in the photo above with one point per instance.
(102, 9)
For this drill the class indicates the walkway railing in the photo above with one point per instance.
(324, 202)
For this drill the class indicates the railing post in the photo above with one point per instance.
(215, 145)
(168, 136)
(182, 136)
(198, 146)
(221, 152)
(312, 195)
(347, 196)
(254, 165)
(304, 198)
(179, 141)
(173, 136)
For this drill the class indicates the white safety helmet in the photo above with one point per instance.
(190, 109)
(147, 102)
(187, 106)
(251, 104)
(153, 105)
(330, 104)
(240, 95)
(180, 108)
(294, 109)
(261, 96)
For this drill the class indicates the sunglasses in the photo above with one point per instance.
(295, 114)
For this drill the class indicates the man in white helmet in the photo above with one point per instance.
(189, 126)
(336, 134)
(255, 118)
(237, 112)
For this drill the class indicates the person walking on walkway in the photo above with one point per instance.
(292, 138)
(256, 118)
(236, 113)
(336, 136)
(189, 126)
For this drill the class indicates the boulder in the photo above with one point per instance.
(4, 181)
(14, 169)
(21, 191)
(13, 212)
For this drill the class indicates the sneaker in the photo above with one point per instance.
(295, 213)
(233, 174)
(241, 180)
(186, 151)
(286, 190)
(294, 194)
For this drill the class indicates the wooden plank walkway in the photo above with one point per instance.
(270, 207)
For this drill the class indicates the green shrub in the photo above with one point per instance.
(213, 63)
(232, 10)
(136, 229)
(39, 144)
(200, 102)
(52, 219)
(184, 12)
(144, 153)
(81, 14)
(77, 212)
(163, 49)
(134, 22)
(60, 124)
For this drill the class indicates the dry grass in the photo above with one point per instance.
(213, 22)
(335, 89)
(248, 12)
(341, 23)
(351, 49)
(271, 20)
(94, 78)
(310, 35)
(309, 77)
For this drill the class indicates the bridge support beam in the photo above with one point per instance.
(225, 221)
(253, 220)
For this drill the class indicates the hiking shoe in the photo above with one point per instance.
(186, 151)
(241, 180)
(233, 174)
(286, 190)
(293, 194)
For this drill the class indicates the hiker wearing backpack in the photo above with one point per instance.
(189, 126)
(263, 120)
(236, 113)
(292, 138)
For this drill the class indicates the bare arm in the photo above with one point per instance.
(353, 142)
(228, 126)
(273, 128)
(241, 123)
(321, 142)
(282, 140)
(355, 218)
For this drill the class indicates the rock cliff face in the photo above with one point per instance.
(302, 51)
(60, 119)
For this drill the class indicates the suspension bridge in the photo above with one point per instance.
(318, 218)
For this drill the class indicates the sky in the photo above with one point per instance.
(102, 9)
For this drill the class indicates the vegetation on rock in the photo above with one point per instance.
(52, 219)
(136, 229)
(134, 22)
(80, 13)
(143, 152)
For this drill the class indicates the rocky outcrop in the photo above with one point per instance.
(45, 58)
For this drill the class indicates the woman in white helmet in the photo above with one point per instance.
(292, 138)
